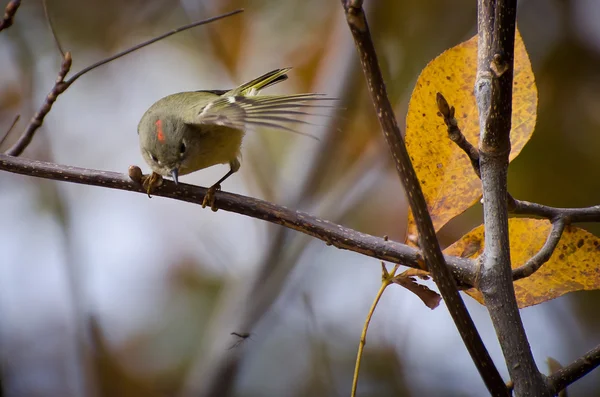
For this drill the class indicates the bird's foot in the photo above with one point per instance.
(148, 182)
(209, 198)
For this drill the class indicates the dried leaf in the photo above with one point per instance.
(430, 298)
(574, 265)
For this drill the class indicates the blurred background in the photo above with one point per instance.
(109, 293)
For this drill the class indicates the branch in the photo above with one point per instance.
(61, 84)
(518, 207)
(442, 276)
(574, 371)
(493, 92)
(570, 215)
(331, 233)
(455, 134)
(9, 14)
(544, 254)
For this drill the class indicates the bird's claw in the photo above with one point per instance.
(209, 198)
(152, 181)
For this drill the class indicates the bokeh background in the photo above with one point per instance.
(109, 293)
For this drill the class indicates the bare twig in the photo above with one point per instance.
(544, 254)
(358, 25)
(51, 26)
(331, 233)
(574, 371)
(12, 126)
(77, 75)
(9, 14)
(455, 134)
(493, 93)
(61, 84)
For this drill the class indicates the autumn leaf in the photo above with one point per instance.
(448, 181)
(430, 298)
(572, 267)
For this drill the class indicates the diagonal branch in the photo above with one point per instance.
(9, 14)
(575, 371)
(358, 25)
(331, 233)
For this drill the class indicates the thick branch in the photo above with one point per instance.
(357, 23)
(9, 14)
(574, 371)
(493, 91)
(332, 234)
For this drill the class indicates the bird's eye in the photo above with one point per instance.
(153, 157)
(182, 148)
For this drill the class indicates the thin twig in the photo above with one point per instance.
(9, 14)
(331, 233)
(574, 371)
(77, 75)
(386, 280)
(434, 259)
(14, 123)
(544, 254)
(61, 84)
(51, 26)
(455, 134)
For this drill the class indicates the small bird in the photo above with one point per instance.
(190, 131)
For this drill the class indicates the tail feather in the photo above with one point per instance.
(254, 86)
(242, 108)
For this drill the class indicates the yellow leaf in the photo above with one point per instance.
(448, 181)
(573, 266)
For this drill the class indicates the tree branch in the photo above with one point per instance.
(574, 371)
(61, 84)
(570, 215)
(9, 14)
(493, 92)
(331, 233)
(358, 25)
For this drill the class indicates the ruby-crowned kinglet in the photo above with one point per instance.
(189, 131)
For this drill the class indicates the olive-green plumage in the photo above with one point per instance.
(189, 131)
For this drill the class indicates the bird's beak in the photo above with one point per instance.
(175, 175)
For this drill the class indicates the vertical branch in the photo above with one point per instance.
(357, 23)
(493, 91)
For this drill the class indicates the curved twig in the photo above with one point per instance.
(544, 254)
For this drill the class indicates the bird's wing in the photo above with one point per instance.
(274, 111)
